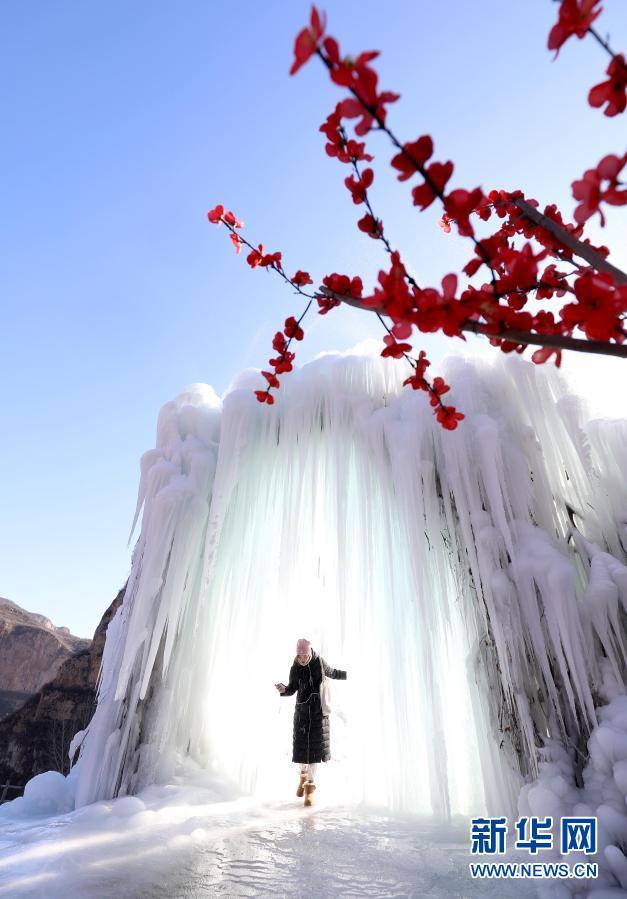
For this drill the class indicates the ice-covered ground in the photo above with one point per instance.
(188, 841)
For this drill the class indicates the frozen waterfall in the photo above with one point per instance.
(465, 581)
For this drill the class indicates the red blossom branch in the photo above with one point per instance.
(411, 157)
(459, 205)
(554, 341)
(600, 185)
(327, 298)
(575, 18)
(583, 250)
(595, 288)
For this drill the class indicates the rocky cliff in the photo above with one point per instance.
(32, 650)
(37, 736)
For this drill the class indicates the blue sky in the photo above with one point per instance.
(123, 124)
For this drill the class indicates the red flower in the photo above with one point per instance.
(393, 294)
(575, 17)
(264, 397)
(307, 40)
(301, 279)
(353, 73)
(599, 307)
(279, 342)
(351, 109)
(258, 257)
(271, 378)
(340, 284)
(338, 146)
(270, 259)
(237, 241)
(394, 349)
(356, 151)
(331, 126)
(371, 226)
(358, 187)
(491, 246)
(439, 388)
(327, 303)
(415, 155)
(344, 285)
(402, 329)
(519, 270)
(554, 283)
(459, 205)
(544, 322)
(218, 215)
(292, 329)
(229, 218)
(441, 310)
(255, 256)
(589, 190)
(439, 174)
(332, 49)
(448, 417)
(283, 363)
(417, 380)
(614, 90)
(484, 211)
(215, 215)
(545, 353)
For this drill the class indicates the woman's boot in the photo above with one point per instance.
(309, 790)
(301, 785)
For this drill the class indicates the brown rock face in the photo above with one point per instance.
(32, 649)
(37, 736)
(10, 700)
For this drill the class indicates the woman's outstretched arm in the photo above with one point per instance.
(292, 686)
(334, 673)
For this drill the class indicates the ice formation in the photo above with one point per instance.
(600, 790)
(466, 581)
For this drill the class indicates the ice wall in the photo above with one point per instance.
(451, 574)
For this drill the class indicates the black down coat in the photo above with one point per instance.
(312, 734)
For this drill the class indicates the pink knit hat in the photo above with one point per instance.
(302, 647)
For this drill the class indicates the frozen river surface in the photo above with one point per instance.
(179, 842)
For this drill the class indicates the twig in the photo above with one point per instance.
(583, 250)
(559, 341)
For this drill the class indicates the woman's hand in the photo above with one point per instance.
(280, 687)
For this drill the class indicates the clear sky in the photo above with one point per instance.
(123, 123)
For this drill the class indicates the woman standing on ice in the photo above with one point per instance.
(312, 735)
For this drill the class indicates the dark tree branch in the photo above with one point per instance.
(580, 345)
(583, 250)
